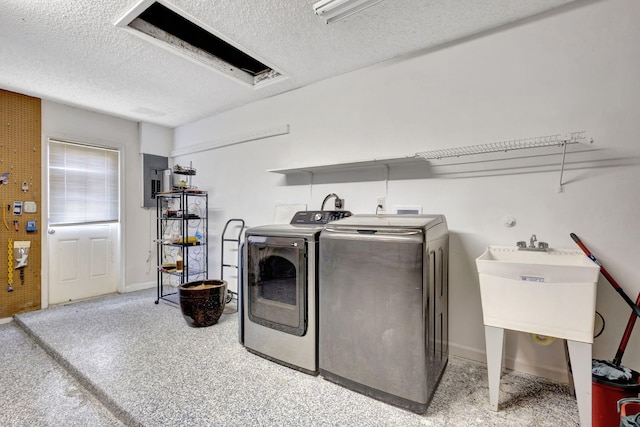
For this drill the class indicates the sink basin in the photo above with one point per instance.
(550, 293)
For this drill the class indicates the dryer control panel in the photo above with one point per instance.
(318, 217)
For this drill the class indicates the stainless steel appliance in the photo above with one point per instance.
(280, 290)
(383, 306)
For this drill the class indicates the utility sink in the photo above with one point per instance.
(551, 293)
(548, 292)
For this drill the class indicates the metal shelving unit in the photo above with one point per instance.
(182, 230)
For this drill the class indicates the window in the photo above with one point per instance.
(83, 183)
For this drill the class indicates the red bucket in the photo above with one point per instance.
(605, 396)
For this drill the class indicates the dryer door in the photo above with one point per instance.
(277, 283)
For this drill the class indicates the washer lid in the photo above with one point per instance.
(388, 221)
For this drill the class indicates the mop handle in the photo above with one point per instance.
(617, 360)
(606, 274)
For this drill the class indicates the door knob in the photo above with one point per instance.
(51, 231)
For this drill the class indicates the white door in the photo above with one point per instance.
(83, 217)
(82, 261)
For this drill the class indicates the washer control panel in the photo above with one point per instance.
(318, 217)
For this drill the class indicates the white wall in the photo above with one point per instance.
(576, 69)
(155, 139)
(73, 124)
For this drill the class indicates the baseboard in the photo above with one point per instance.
(550, 372)
(4, 320)
(132, 287)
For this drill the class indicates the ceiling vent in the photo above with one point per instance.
(166, 26)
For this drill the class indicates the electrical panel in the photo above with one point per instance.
(153, 168)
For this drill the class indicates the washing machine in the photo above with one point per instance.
(383, 302)
(279, 310)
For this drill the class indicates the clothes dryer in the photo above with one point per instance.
(279, 313)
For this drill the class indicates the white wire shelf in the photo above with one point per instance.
(504, 146)
(558, 140)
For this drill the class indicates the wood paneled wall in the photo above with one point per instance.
(20, 155)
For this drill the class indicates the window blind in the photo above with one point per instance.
(83, 183)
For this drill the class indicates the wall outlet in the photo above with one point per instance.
(381, 204)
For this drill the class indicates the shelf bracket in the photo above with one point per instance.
(564, 153)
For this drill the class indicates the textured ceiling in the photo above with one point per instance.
(69, 51)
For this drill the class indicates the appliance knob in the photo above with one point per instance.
(317, 217)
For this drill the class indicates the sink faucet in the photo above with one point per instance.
(542, 246)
